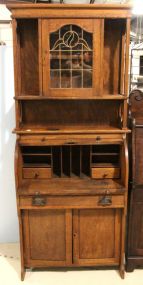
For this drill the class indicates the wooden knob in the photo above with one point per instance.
(36, 175)
(98, 138)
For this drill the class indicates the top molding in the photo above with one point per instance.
(70, 10)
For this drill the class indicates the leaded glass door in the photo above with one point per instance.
(71, 58)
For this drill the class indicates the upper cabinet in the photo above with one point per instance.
(71, 57)
(63, 56)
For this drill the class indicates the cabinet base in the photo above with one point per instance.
(23, 272)
(133, 263)
(121, 270)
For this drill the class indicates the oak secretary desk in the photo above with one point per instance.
(71, 156)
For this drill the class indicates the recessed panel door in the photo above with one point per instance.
(96, 234)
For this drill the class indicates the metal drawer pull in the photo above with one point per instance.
(105, 201)
(38, 201)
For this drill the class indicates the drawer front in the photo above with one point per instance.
(37, 173)
(72, 202)
(70, 139)
(107, 172)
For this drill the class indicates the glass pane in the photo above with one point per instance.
(87, 60)
(71, 54)
(87, 41)
(65, 78)
(65, 60)
(55, 78)
(77, 60)
(54, 60)
(87, 78)
(53, 39)
(76, 79)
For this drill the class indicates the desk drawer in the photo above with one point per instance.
(107, 172)
(67, 202)
(70, 139)
(37, 173)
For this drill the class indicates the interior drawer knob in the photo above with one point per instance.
(105, 201)
(36, 175)
(38, 201)
(98, 138)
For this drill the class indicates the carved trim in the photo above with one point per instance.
(70, 39)
(138, 96)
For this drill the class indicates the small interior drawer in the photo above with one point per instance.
(107, 172)
(37, 173)
(66, 202)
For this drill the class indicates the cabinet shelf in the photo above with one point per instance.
(36, 154)
(39, 97)
(105, 153)
(104, 165)
(79, 129)
(36, 165)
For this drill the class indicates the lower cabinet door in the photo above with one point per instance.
(97, 236)
(136, 232)
(47, 236)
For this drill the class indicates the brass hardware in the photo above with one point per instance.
(38, 201)
(105, 201)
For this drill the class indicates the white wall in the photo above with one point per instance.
(8, 214)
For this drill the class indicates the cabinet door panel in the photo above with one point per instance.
(47, 237)
(137, 230)
(71, 57)
(97, 236)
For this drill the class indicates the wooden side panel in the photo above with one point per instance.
(134, 253)
(136, 246)
(47, 237)
(139, 156)
(97, 236)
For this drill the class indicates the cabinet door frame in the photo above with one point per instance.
(29, 262)
(97, 261)
(94, 26)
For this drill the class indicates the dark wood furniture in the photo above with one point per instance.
(71, 158)
(134, 254)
